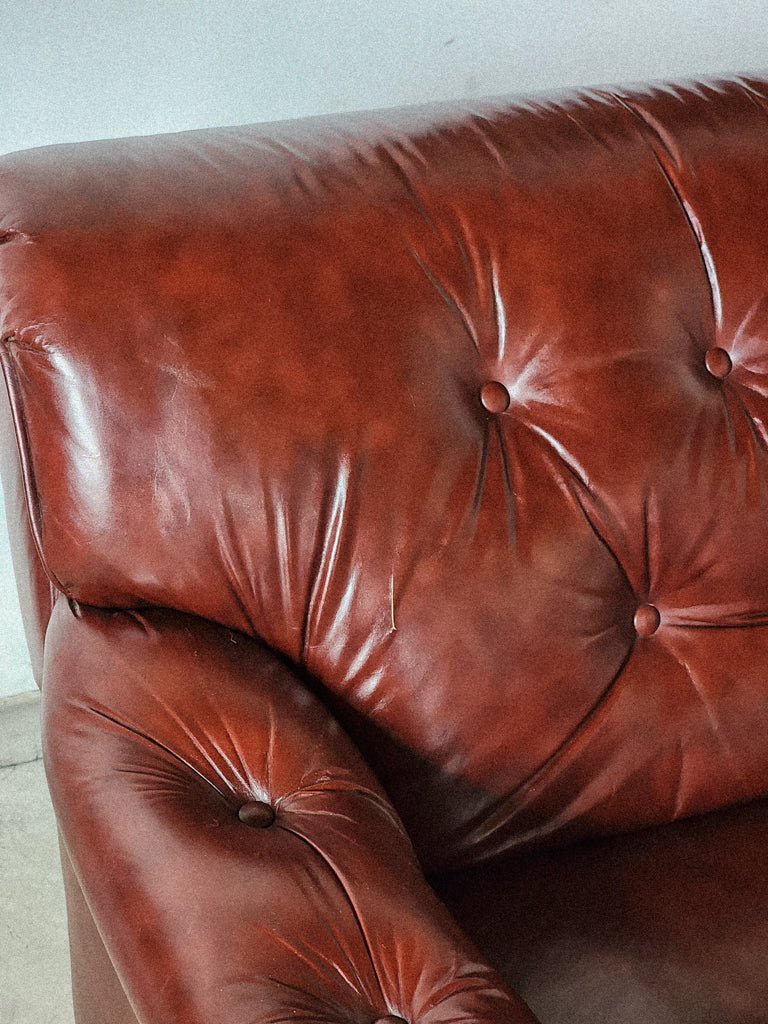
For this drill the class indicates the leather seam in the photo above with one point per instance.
(25, 458)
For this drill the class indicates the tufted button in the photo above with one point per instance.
(647, 620)
(494, 396)
(257, 814)
(718, 362)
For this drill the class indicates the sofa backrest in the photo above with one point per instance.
(461, 409)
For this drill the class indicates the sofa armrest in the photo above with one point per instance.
(240, 860)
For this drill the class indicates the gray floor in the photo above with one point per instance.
(34, 962)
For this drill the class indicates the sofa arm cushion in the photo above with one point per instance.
(240, 860)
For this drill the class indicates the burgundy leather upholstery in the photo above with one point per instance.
(446, 426)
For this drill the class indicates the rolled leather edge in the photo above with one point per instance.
(163, 737)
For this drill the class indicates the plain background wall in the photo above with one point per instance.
(78, 69)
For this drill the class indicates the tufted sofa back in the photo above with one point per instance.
(461, 410)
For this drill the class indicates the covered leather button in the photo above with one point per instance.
(718, 362)
(257, 814)
(647, 619)
(494, 396)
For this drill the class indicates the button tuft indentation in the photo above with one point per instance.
(718, 362)
(256, 814)
(494, 396)
(647, 620)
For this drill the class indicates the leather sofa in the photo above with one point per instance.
(389, 499)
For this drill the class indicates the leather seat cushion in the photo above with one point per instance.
(666, 925)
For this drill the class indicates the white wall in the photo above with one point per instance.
(76, 69)
(15, 671)
(73, 69)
